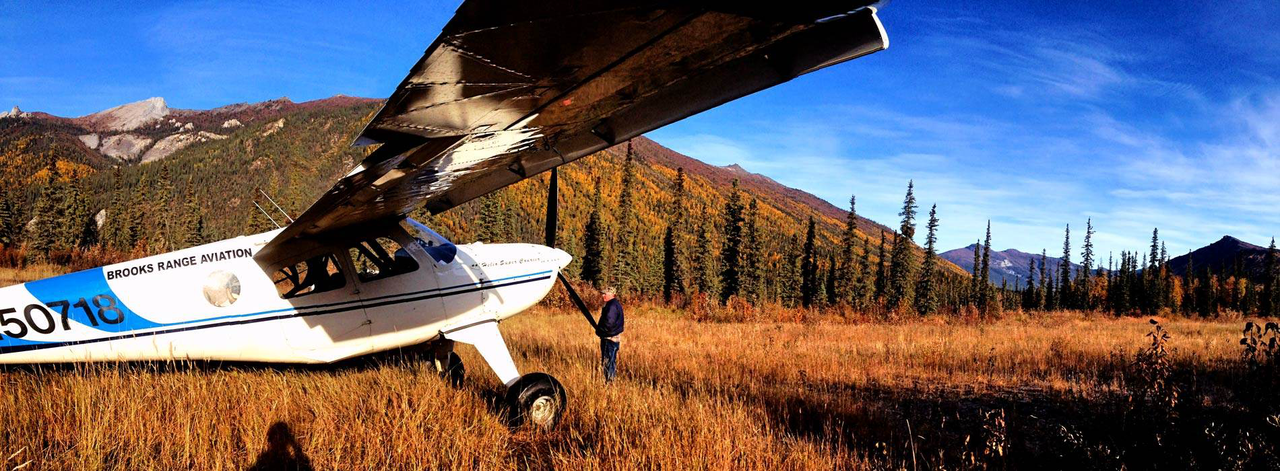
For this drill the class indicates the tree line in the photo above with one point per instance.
(1145, 284)
(152, 218)
(730, 257)
(691, 239)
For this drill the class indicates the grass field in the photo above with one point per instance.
(1045, 392)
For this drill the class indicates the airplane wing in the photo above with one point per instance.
(513, 88)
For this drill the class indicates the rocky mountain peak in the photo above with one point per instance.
(128, 116)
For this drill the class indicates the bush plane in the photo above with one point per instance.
(508, 90)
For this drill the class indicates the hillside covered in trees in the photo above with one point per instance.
(640, 216)
(795, 243)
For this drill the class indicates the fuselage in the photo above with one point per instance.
(216, 302)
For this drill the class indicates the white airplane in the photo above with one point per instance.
(508, 90)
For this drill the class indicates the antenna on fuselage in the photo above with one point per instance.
(264, 213)
(278, 208)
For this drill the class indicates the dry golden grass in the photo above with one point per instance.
(689, 395)
(13, 276)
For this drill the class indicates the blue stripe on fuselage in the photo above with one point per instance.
(87, 284)
(21, 346)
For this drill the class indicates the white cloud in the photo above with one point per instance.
(1029, 178)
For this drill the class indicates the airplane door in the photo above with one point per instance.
(324, 297)
(461, 280)
(399, 290)
(459, 275)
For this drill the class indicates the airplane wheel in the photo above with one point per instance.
(451, 369)
(537, 398)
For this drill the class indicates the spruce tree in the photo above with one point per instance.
(1189, 287)
(847, 275)
(902, 276)
(192, 231)
(493, 221)
(926, 295)
(628, 269)
(1271, 295)
(882, 272)
(1065, 296)
(984, 296)
(594, 239)
(1051, 295)
(1154, 259)
(1086, 265)
(1206, 298)
(670, 272)
(1152, 284)
(48, 213)
(76, 227)
(116, 231)
(809, 267)
(707, 276)
(673, 269)
(1044, 283)
(864, 289)
(792, 275)
(752, 276)
(160, 207)
(1029, 294)
(8, 236)
(731, 250)
(829, 280)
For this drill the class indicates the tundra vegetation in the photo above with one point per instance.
(798, 389)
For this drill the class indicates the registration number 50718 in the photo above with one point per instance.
(98, 310)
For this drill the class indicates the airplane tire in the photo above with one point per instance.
(537, 398)
(451, 369)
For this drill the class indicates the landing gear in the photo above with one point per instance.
(448, 363)
(451, 369)
(536, 398)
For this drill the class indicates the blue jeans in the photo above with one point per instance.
(609, 358)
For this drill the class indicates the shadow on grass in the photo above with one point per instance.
(282, 453)
(1009, 428)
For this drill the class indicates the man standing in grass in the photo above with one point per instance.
(609, 328)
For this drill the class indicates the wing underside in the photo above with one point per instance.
(513, 88)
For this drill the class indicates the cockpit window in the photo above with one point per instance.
(423, 233)
(379, 258)
(439, 248)
(313, 275)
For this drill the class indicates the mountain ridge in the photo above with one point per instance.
(149, 130)
(1226, 255)
(1011, 266)
(298, 150)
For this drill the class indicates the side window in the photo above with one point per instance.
(313, 275)
(379, 258)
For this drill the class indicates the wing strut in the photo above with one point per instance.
(553, 218)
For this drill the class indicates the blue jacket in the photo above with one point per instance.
(611, 320)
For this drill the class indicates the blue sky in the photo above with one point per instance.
(1164, 114)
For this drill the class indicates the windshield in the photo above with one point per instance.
(440, 249)
(424, 233)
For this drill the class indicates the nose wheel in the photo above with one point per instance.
(538, 399)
